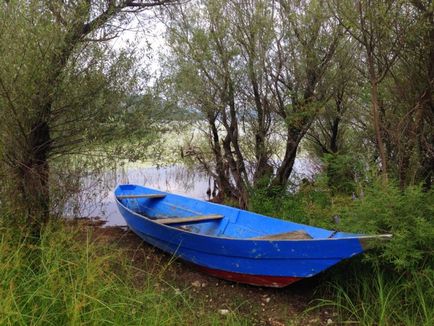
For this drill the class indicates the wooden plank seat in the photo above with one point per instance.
(141, 196)
(293, 235)
(189, 219)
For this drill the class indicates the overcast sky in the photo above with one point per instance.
(146, 32)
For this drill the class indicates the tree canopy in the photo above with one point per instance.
(59, 81)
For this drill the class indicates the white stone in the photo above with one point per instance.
(224, 312)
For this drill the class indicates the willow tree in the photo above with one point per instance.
(413, 93)
(58, 79)
(255, 70)
(377, 26)
(395, 59)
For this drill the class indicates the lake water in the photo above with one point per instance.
(96, 199)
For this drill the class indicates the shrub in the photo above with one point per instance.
(389, 285)
(407, 214)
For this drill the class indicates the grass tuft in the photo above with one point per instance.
(69, 280)
(379, 299)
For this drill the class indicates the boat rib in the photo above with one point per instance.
(141, 196)
(189, 220)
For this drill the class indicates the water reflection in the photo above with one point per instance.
(96, 197)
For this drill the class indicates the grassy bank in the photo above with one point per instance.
(70, 280)
(392, 284)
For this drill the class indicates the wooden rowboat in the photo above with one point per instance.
(234, 244)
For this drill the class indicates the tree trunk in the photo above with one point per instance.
(262, 169)
(376, 116)
(29, 198)
(224, 186)
(334, 147)
(426, 136)
(235, 162)
(284, 171)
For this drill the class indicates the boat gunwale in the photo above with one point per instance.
(362, 237)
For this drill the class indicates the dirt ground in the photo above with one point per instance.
(264, 306)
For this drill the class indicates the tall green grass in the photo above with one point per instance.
(376, 298)
(67, 279)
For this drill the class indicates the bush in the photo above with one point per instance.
(389, 285)
(313, 203)
(407, 214)
(342, 172)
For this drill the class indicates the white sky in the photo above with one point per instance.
(147, 33)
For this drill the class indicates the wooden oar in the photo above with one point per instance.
(189, 220)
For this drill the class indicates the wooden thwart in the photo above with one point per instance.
(142, 196)
(293, 235)
(189, 220)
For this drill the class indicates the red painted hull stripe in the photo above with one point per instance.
(258, 280)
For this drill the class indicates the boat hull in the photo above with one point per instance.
(273, 263)
(256, 280)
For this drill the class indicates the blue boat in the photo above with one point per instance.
(234, 244)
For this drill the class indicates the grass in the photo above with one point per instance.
(380, 298)
(69, 280)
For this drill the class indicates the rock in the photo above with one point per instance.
(203, 284)
(224, 312)
(272, 322)
(266, 299)
(196, 284)
(329, 321)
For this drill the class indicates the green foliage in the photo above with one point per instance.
(65, 90)
(407, 214)
(79, 282)
(401, 291)
(312, 203)
(342, 172)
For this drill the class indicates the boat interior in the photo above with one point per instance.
(212, 219)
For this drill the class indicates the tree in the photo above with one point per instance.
(255, 70)
(56, 82)
(310, 38)
(331, 130)
(415, 85)
(375, 25)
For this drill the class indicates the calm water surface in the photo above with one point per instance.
(96, 199)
